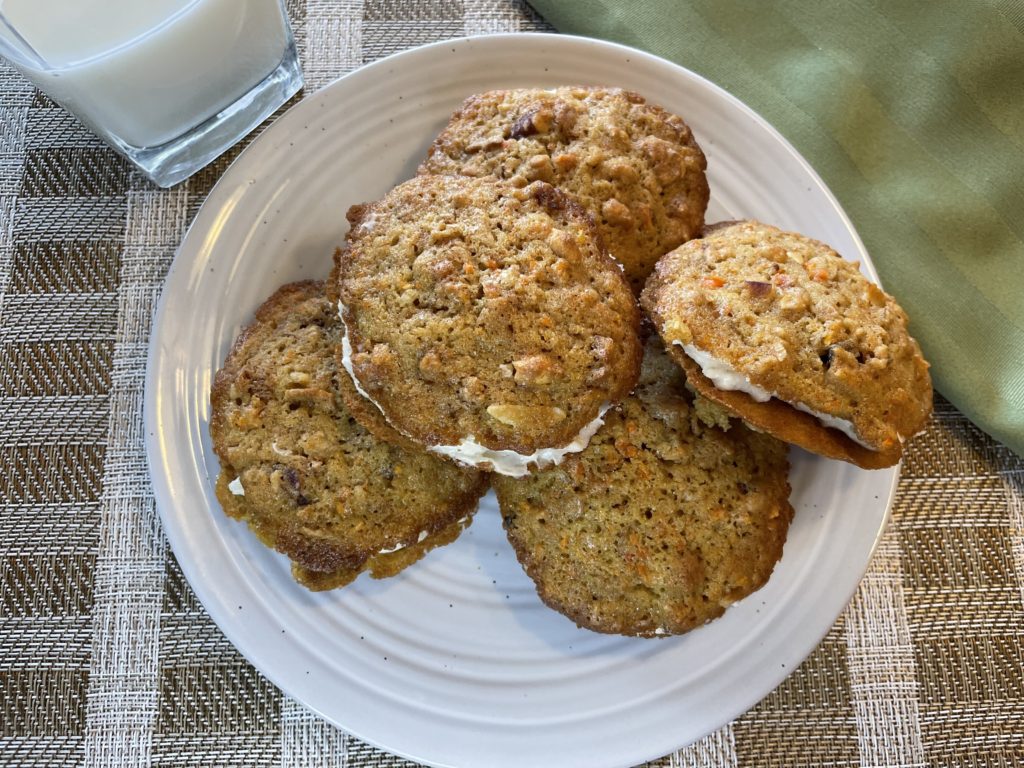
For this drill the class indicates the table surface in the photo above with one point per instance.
(106, 657)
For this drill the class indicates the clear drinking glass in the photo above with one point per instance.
(170, 84)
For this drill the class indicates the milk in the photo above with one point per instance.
(147, 71)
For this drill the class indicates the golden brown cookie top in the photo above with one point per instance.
(661, 523)
(479, 311)
(633, 165)
(792, 318)
(308, 479)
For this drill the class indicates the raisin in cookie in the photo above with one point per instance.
(661, 523)
(794, 339)
(309, 480)
(634, 166)
(486, 321)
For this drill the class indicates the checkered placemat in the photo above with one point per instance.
(106, 657)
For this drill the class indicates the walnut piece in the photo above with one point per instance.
(615, 212)
(526, 415)
(536, 370)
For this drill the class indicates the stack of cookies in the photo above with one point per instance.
(482, 326)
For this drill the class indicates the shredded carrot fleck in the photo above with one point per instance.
(713, 282)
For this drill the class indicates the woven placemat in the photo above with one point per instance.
(106, 657)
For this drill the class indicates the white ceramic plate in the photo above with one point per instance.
(456, 662)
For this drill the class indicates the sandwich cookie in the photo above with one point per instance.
(793, 339)
(485, 321)
(305, 476)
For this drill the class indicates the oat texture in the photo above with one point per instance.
(799, 321)
(661, 523)
(634, 166)
(317, 486)
(476, 309)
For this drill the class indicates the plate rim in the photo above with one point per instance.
(161, 483)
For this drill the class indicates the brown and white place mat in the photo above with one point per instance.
(106, 657)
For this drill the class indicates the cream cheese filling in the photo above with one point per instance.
(346, 361)
(469, 451)
(513, 463)
(397, 547)
(368, 223)
(419, 539)
(724, 376)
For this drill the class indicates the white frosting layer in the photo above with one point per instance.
(235, 486)
(346, 359)
(724, 376)
(514, 464)
(368, 223)
(419, 539)
(469, 451)
(844, 426)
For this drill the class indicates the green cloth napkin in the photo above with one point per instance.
(913, 113)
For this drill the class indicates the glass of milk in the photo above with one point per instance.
(170, 84)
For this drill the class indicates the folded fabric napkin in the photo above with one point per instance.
(913, 113)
